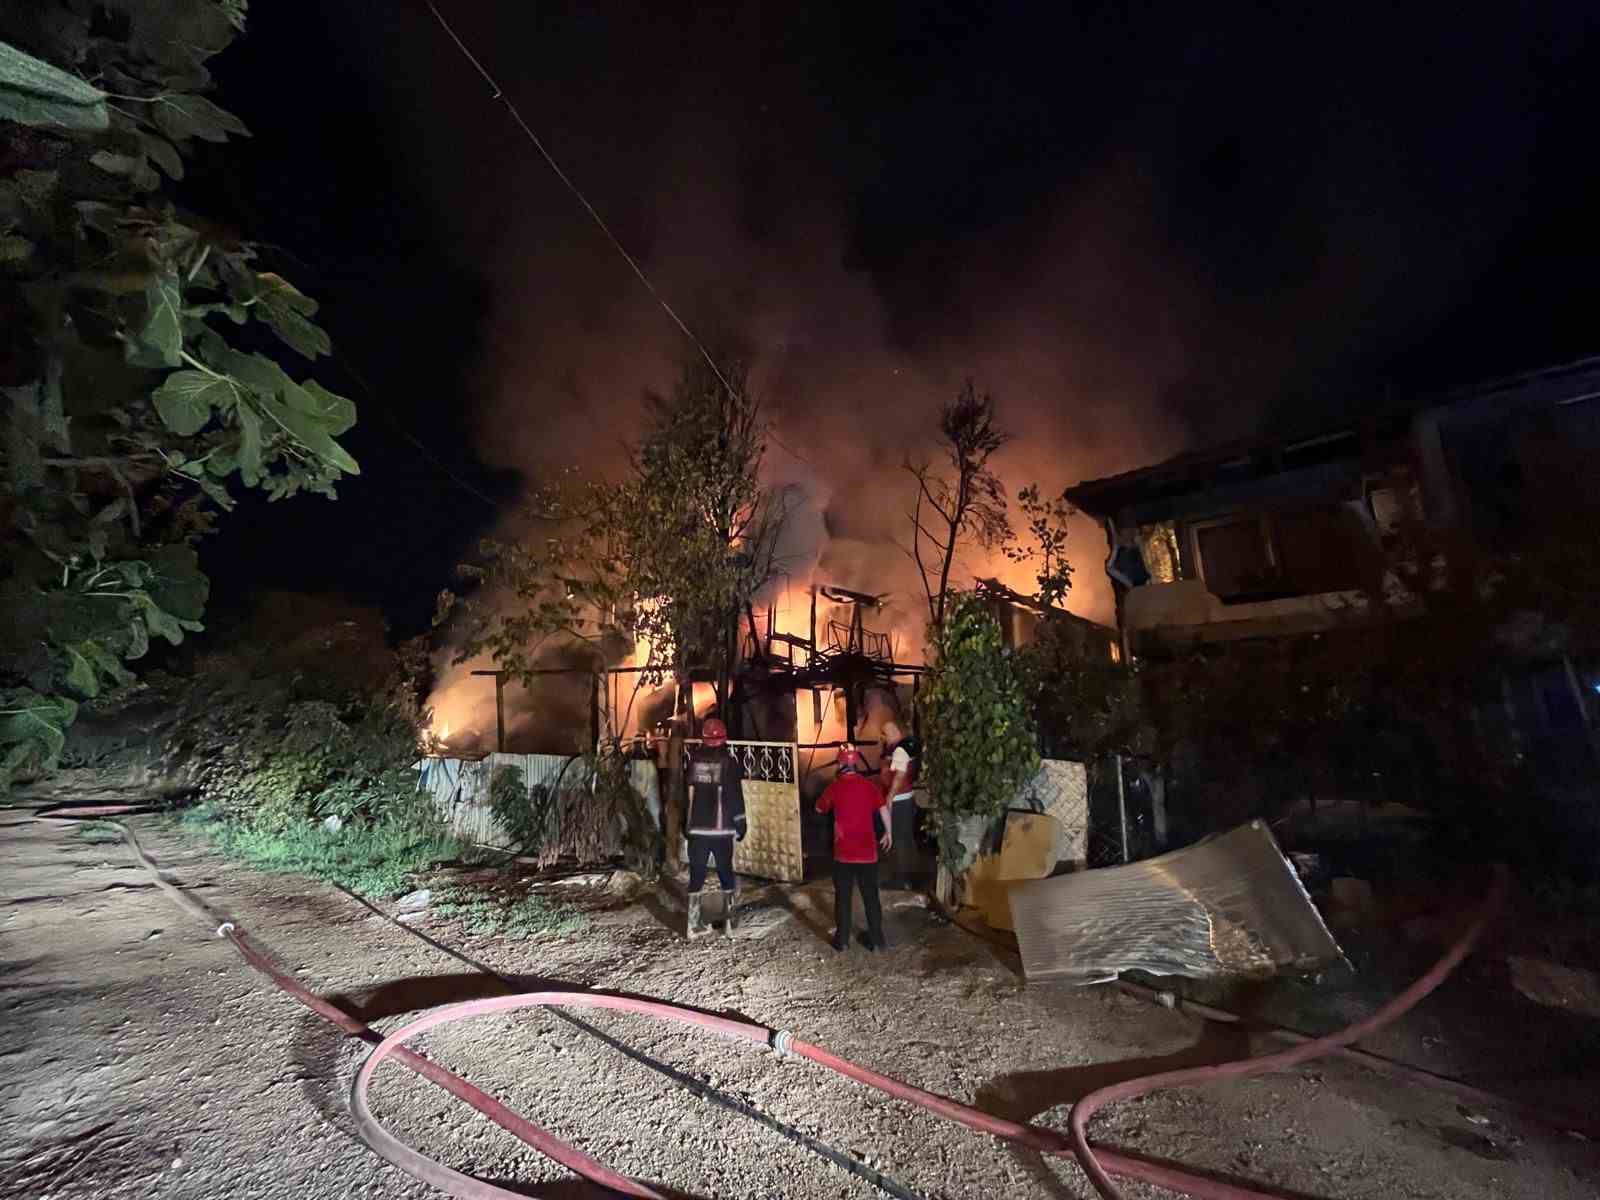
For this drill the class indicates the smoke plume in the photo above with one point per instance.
(726, 171)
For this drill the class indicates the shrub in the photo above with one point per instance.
(275, 735)
(530, 818)
(378, 860)
(299, 723)
(590, 813)
(978, 729)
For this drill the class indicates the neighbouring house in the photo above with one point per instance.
(1019, 617)
(1276, 536)
(1292, 537)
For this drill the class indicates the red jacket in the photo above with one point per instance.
(852, 799)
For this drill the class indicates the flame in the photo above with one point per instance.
(643, 647)
(464, 704)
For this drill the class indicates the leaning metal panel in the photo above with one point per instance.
(1230, 905)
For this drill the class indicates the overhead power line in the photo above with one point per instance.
(410, 438)
(498, 93)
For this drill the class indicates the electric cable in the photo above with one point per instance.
(499, 93)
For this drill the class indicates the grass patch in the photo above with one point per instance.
(381, 861)
(374, 860)
(506, 915)
(99, 833)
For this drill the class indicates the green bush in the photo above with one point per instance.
(296, 725)
(276, 736)
(531, 819)
(978, 728)
(273, 761)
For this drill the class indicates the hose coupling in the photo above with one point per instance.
(782, 1043)
(225, 929)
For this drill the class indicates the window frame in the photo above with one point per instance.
(1263, 525)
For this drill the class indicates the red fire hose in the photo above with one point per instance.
(1244, 1068)
(1099, 1164)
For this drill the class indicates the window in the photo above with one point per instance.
(1158, 544)
(1235, 557)
(1301, 551)
(1322, 549)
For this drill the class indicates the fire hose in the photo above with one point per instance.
(1098, 1163)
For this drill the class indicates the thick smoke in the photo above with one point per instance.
(1080, 391)
(1076, 354)
(1138, 238)
(1070, 345)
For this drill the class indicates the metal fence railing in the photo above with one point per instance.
(763, 762)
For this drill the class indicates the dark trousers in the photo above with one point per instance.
(709, 845)
(846, 876)
(905, 859)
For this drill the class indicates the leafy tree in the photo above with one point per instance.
(129, 410)
(967, 504)
(1046, 547)
(978, 726)
(1083, 703)
(662, 561)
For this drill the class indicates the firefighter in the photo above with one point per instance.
(857, 807)
(716, 821)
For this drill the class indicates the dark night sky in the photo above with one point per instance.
(1143, 230)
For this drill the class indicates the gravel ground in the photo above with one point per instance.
(141, 1057)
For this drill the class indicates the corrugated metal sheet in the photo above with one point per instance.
(1231, 905)
(460, 788)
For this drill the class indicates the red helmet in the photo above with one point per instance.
(714, 733)
(850, 760)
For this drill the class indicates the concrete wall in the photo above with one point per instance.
(1185, 609)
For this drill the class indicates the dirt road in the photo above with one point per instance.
(141, 1057)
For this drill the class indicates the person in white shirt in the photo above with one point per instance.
(897, 767)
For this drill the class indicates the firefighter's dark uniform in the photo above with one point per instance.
(716, 821)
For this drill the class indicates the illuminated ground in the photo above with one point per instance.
(182, 1074)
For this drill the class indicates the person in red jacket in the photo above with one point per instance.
(856, 803)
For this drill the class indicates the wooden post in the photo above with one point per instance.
(757, 651)
(594, 711)
(499, 712)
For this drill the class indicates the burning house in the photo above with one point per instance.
(842, 662)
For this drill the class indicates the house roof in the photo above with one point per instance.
(1272, 455)
(993, 587)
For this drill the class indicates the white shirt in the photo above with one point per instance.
(900, 764)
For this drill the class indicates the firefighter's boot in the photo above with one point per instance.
(730, 912)
(696, 926)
